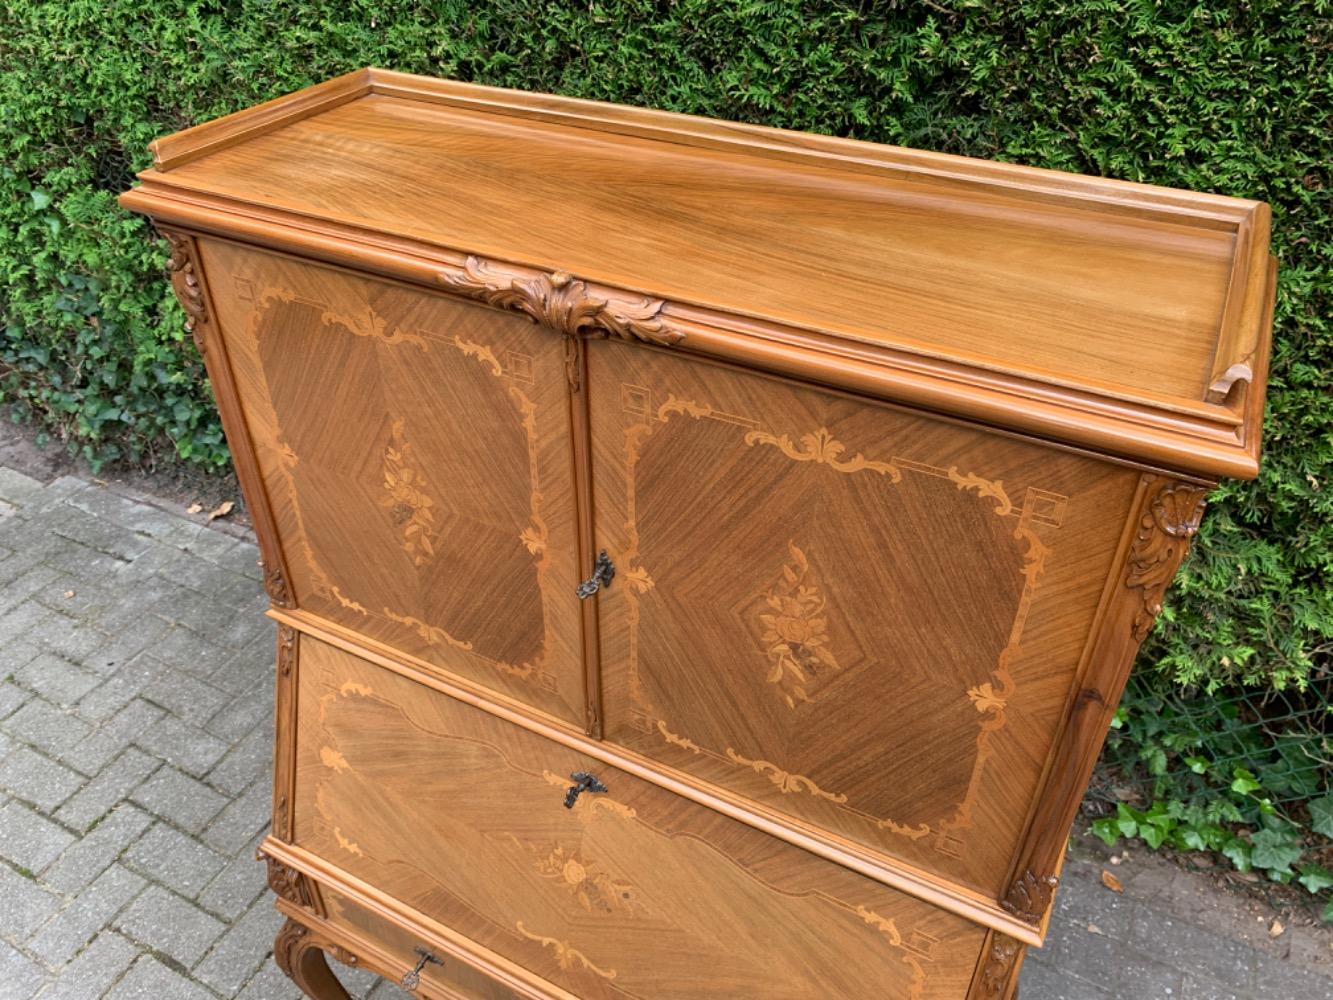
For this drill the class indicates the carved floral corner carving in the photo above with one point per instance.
(185, 283)
(563, 303)
(286, 650)
(1171, 519)
(999, 965)
(276, 586)
(1030, 896)
(289, 884)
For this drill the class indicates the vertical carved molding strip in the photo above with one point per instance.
(562, 303)
(184, 269)
(999, 967)
(284, 770)
(275, 585)
(1163, 538)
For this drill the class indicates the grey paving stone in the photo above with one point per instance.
(252, 708)
(269, 983)
(30, 841)
(95, 751)
(95, 969)
(120, 688)
(72, 597)
(247, 760)
(125, 644)
(85, 916)
(16, 488)
(237, 886)
(101, 535)
(177, 797)
(84, 563)
(1275, 978)
(12, 697)
(24, 905)
(46, 727)
(56, 679)
(185, 696)
(94, 852)
(20, 976)
(239, 952)
(187, 650)
(30, 776)
(187, 747)
(241, 819)
(14, 653)
(175, 860)
(111, 785)
(1041, 982)
(1193, 950)
(149, 979)
(170, 925)
(21, 615)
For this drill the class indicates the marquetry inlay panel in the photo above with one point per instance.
(761, 528)
(442, 529)
(567, 892)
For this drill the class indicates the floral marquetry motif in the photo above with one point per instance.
(795, 630)
(406, 497)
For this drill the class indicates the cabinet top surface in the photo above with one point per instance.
(1147, 297)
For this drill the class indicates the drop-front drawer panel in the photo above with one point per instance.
(865, 620)
(415, 452)
(632, 892)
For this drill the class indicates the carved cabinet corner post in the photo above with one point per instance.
(648, 554)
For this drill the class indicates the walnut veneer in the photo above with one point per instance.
(892, 454)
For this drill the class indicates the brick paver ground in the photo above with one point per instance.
(136, 712)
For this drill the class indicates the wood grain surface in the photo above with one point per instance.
(894, 454)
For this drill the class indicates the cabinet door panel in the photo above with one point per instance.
(416, 454)
(864, 620)
(631, 893)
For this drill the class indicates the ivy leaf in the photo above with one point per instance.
(40, 198)
(1321, 815)
(1108, 828)
(1244, 782)
(1198, 765)
(1327, 914)
(1238, 852)
(1275, 850)
(1315, 877)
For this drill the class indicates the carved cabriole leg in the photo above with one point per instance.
(187, 280)
(301, 959)
(1165, 518)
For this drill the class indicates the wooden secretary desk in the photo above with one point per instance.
(706, 558)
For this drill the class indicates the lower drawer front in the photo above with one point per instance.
(634, 892)
(451, 979)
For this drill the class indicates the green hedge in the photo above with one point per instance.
(1233, 98)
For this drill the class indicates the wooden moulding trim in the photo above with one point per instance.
(357, 951)
(192, 143)
(1244, 323)
(1194, 438)
(956, 899)
(1207, 211)
(1164, 518)
(433, 933)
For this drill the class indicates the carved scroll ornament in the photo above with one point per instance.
(999, 965)
(1030, 896)
(1163, 538)
(563, 303)
(289, 884)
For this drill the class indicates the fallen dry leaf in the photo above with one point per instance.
(1111, 882)
(1094, 929)
(1276, 929)
(221, 510)
(69, 593)
(194, 508)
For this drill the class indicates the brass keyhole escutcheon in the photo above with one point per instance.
(413, 979)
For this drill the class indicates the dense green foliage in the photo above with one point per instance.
(1233, 98)
(1243, 774)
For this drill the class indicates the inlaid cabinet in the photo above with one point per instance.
(706, 558)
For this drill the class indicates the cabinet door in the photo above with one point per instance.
(864, 621)
(416, 453)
